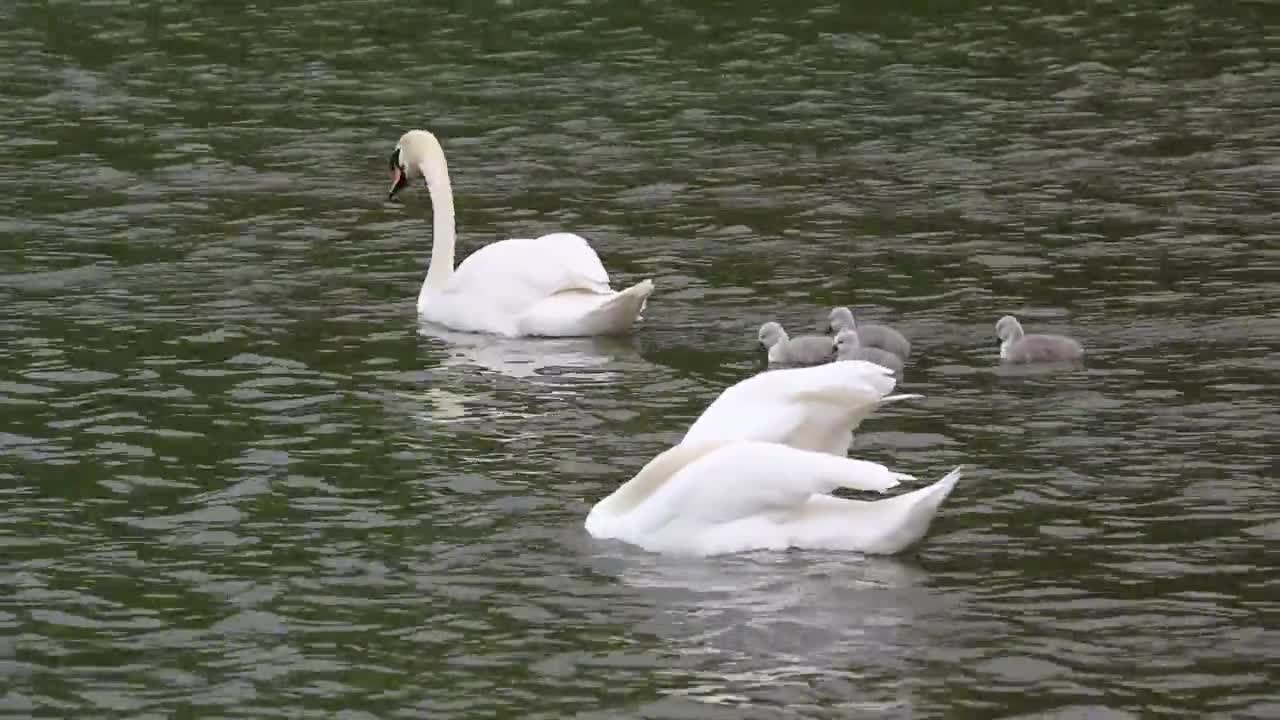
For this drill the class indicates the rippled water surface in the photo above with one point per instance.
(237, 480)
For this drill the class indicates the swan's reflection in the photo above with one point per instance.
(530, 357)
(763, 620)
(462, 387)
(769, 587)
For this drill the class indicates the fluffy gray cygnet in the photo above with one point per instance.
(849, 347)
(1017, 347)
(877, 336)
(800, 351)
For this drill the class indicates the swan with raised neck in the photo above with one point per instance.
(418, 154)
(551, 286)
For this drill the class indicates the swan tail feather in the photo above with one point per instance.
(579, 312)
(620, 312)
(918, 509)
(879, 527)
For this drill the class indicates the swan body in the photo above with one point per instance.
(756, 470)
(553, 285)
(849, 347)
(800, 351)
(1018, 347)
(870, 335)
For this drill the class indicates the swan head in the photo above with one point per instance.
(771, 333)
(841, 318)
(846, 340)
(417, 155)
(1008, 329)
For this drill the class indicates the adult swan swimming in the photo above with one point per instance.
(552, 286)
(757, 469)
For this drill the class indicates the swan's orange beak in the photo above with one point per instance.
(398, 181)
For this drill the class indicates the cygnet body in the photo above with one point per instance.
(1018, 347)
(849, 346)
(799, 351)
(870, 335)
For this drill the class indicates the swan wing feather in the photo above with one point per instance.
(812, 408)
(514, 274)
(691, 489)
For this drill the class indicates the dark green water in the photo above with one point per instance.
(236, 480)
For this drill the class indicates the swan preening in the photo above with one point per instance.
(756, 471)
(1017, 347)
(553, 285)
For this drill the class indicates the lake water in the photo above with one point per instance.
(237, 480)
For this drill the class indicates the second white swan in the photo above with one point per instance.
(553, 285)
(757, 469)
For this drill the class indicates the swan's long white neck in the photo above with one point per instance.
(652, 476)
(442, 237)
(435, 171)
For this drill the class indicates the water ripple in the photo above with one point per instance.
(240, 480)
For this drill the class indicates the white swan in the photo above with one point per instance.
(553, 285)
(756, 469)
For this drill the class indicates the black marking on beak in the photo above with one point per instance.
(398, 176)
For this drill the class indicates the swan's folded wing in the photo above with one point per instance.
(813, 407)
(745, 479)
(514, 274)
(577, 260)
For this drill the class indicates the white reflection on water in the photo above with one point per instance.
(770, 620)
(530, 357)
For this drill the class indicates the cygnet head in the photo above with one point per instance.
(841, 318)
(1008, 329)
(417, 154)
(771, 333)
(846, 340)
